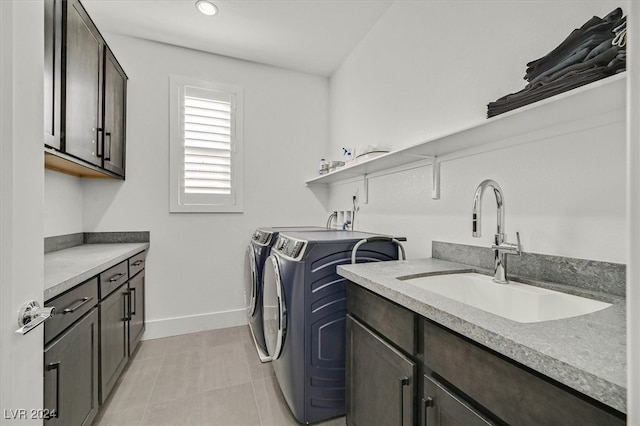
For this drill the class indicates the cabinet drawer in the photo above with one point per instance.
(137, 262)
(70, 306)
(508, 390)
(113, 278)
(394, 322)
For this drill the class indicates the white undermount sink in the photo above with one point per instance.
(515, 301)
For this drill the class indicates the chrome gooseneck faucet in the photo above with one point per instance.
(500, 247)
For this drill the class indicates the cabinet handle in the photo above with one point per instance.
(107, 151)
(100, 130)
(132, 304)
(127, 305)
(71, 310)
(403, 381)
(138, 262)
(116, 277)
(427, 403)
(56, 366)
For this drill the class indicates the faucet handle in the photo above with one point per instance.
(509, 248)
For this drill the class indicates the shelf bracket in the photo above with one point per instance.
(435, 179)
(365, 188)
(435, 175)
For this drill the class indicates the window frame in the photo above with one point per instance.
(203, 203)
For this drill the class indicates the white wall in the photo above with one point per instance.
(195, 264)
(429, 68)
(62, 204)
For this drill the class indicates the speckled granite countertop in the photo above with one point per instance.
(586, 353)
(64, 269)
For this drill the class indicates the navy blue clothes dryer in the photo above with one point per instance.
(304, 315)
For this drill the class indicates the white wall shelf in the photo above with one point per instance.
(597, 104)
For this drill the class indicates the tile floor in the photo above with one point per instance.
(208, 378)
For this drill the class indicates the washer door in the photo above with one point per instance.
(250, 281)
(274, 309)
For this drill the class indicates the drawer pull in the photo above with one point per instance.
(138, 263)
(116, 277)
(82, 301)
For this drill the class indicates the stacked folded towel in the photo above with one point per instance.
(592, 52)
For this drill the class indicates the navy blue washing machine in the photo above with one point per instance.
(304, 311)
(255, 255)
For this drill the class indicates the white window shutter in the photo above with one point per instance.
(207, 143)
(205, 146)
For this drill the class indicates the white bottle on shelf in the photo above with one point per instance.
(323, 169)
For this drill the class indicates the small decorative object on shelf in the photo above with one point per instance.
(323, 168)
(592, 52)
(349, 154)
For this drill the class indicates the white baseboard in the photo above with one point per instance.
(166, 327)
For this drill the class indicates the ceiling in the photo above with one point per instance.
(312, 36)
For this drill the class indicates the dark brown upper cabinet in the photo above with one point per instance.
(114, 125)
(85, 96)
(52, 72)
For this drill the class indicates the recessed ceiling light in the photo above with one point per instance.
(206, 7)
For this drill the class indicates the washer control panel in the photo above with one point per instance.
(262, 237)
(290, 247)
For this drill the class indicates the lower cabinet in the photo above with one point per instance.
(121, 318)
(71, 374)
(89, 341)
(383, 398)
(114, 349)
(461, 382)
(136, 311)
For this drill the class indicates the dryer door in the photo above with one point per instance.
(250, 281)
(274, 308)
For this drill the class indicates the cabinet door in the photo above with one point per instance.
(443, 408)
(71, 374)
(380, 380)
(82, 85)
(52, 71)
(136, 310)
(115, 97)
(113, 339)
